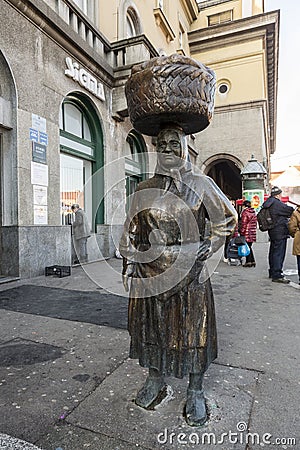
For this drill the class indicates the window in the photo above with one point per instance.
(223, 17)
(77, 134)
(132, 23)
(181, 36)
(223, 87)
(79, 159)
(129, 23)
(135, 163)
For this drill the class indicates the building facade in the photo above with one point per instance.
(240, 42)
(65, 135)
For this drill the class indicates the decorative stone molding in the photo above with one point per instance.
(162, 22)
(191, 8)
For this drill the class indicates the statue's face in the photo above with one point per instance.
(169, 148)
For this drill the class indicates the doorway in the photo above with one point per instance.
(227, 175)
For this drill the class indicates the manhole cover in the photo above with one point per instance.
(19, 352)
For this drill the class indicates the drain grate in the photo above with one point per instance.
(21, 352)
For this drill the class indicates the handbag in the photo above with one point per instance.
(243, 250)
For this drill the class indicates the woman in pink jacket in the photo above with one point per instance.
(248, 225)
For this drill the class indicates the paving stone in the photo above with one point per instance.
(35, 396)
(68, 437)
(8, 442)
(110, 409)
(275, 413)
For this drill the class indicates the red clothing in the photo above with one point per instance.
(248, 224)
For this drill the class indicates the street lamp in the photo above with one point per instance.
(254, 177)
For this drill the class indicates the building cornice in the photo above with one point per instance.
(262, 104)
(265, 26)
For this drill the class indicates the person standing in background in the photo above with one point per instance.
(81, 233)
(280, 213)
(294, 229)
(228, 238)
(247, 228)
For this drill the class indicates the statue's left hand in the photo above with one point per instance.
(204, 250)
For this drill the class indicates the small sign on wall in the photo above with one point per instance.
(39, 174)
(40, 205)
(38, 123)
(40, 195)
(43, 138)
(39, 153)
(33, 135)
(40, 215)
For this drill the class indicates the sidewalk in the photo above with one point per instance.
(66, 381)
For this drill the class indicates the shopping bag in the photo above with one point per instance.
(243, 250)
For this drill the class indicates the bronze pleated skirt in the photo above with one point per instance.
(174, 332)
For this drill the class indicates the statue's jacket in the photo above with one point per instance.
(171, 317)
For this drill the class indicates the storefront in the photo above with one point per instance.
(65, 136)
(59, 145)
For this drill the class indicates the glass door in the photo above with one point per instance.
(74, 173)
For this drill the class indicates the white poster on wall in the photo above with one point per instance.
(38, 123)
(39, 174)
(40, 195)
(40, 214)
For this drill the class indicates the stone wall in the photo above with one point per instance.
(26, 251)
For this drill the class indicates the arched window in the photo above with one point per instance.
(129, 23)
(80, 157)
(135, 163)
(132, 23)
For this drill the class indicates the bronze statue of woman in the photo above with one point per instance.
(177, 219)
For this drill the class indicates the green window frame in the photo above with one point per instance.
(136, 166)
(85, 143)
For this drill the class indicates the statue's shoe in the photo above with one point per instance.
(149, 392)
(195, 410)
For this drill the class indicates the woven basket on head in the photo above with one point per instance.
(170, 89)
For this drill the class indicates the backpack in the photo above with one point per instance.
(264, 219)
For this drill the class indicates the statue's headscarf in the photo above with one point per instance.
(183, 160)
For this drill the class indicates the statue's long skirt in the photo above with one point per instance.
(174, 332)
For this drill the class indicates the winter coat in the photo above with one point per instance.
(280, 213)
(294, 229)
(81, 228)
(248, 224)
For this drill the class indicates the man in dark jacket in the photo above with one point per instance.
(81, 232)
(278, 235)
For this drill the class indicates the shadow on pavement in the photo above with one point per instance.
(80, 306)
